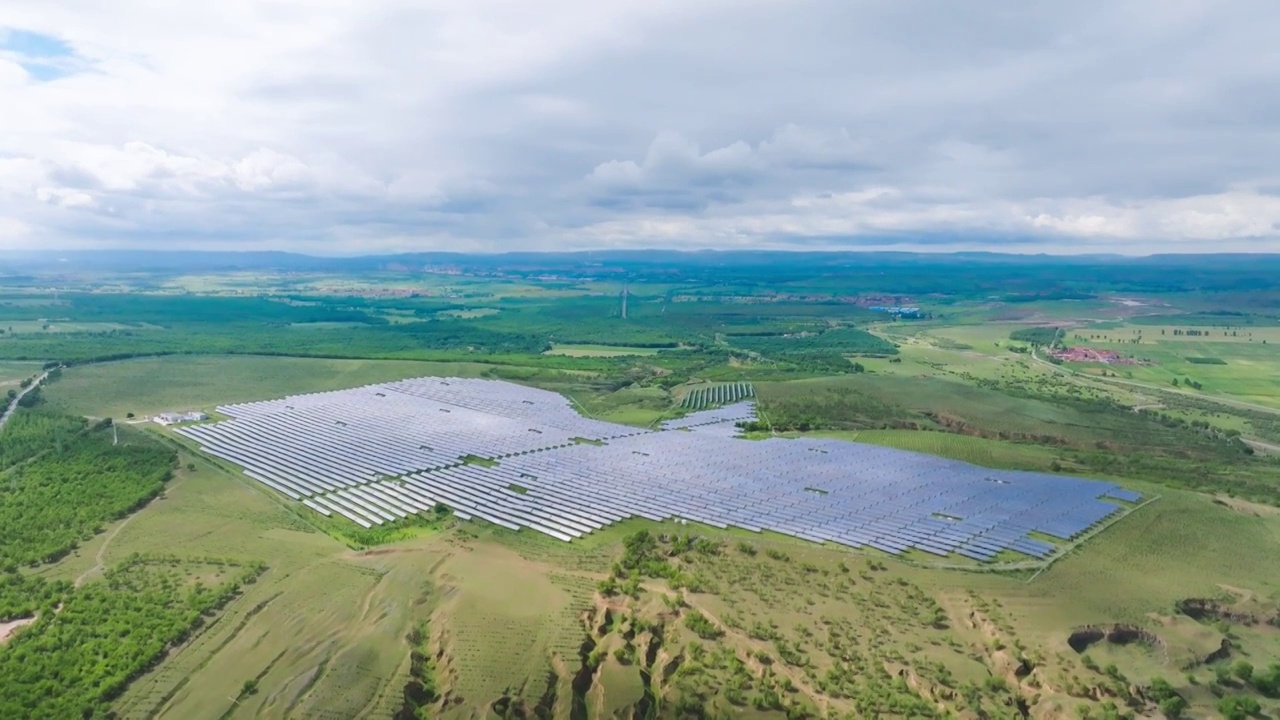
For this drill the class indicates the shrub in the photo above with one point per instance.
(701, 626)
(1238, 707)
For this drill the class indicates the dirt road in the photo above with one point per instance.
(13, 404)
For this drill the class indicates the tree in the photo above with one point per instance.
(1170, 702)
(1173, 706)
(1243, 670)
(1238, 707)
(1268, 682)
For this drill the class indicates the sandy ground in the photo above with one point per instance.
(9, 628)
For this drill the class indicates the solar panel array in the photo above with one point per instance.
(383, 452)
(721, 394)
(727, 416)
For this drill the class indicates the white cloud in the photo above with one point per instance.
(499, 124)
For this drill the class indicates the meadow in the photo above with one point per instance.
(147, 386)
(1245, 367)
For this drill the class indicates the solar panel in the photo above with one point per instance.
(382, 452)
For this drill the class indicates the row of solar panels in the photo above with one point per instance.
(485, 396)
(720, 394)
(331, 448)
(737, 412)
(793, 483)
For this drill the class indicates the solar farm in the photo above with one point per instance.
(523, 458)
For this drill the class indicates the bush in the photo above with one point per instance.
(701, 626)
(1238, 707)
(1173, 707)
(1268, 682)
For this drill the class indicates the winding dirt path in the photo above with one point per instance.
(100, 558)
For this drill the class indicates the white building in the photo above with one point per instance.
(172, 418)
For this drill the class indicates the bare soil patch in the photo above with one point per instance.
(7, 629)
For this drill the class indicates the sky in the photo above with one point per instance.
(366, 126)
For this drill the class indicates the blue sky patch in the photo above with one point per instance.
(33, 45)
(44, 57)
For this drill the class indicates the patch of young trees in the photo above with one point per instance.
(29, 433)
(87, 644)
(648, 556)
(64, 488)
(840, 341)
(1037, 336)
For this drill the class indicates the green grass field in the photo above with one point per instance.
(976, 450)
(12, 373)
(1249, 372)
(152, 385)
(599, 351)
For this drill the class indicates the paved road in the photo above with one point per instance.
(13, 405)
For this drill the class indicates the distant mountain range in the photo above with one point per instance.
(596, 262)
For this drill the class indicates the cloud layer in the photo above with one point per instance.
(344, 126)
